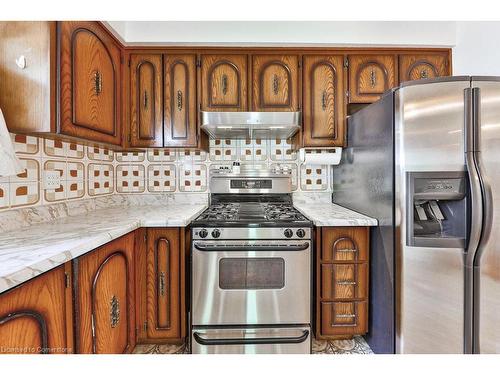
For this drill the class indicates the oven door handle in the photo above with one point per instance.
(300, 247)
(252, 341)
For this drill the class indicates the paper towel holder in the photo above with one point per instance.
(320, 155)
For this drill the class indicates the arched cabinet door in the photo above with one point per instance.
(224, 82)
(36, 317)
(324, 101)
(105, 296)
(180, 126)
(90, 82)
(370, 76)
(421, 66)
(275, 83)
(146, 115)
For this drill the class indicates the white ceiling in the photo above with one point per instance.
(331, 33)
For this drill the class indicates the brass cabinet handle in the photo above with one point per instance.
(373, 78)
(179, 100)
(423, 73)
(97, 82)
(114, 311)
(145, 99)
(345, 316)
(161, 283)
(347, 250)
(345, 282)
(324, 100)
(276, 84)
(224, 84)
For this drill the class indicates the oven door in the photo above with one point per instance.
(251, 282)
(289, 340)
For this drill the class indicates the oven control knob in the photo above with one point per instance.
(288, 233)
(301, 233)
(203, 233)
(216, 233)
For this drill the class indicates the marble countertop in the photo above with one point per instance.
(30, 251)
(326, 214)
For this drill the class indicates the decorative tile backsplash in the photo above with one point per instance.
(92, 171)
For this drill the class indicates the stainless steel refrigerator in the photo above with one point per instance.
(425, 161)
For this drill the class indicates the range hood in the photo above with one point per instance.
(250, 125)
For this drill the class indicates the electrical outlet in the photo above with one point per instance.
(52, 180)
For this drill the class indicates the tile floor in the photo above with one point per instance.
(357, 345)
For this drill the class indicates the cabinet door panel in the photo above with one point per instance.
(224, 82)
(344, 318)
(163, 284)
(36, 316)
(344, 244)
(421, 66)
(180, 127)
(324, 104)
(105, 298)
(344, 281)
(275, 82)
(90, 82)
(146, 116)
(370, 76)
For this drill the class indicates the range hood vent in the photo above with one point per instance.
(250, 125)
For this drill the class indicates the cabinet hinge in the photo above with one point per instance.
(145, 238)
(346, 62)
(300, 63)
(347, 93)
(200, 106)
(129, 137)
(129, 63)
(66, 280)
(198, 63)
(145, 326)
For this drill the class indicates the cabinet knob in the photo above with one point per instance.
(373, 78)
(97, 82)
(179, 100)
(276, 84)
(145, 99)
(224, 84)
(114, 312)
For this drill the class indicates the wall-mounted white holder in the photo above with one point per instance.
(21, 62)
(320, 156)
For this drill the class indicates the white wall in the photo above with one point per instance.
(278, 33)
(477, 50)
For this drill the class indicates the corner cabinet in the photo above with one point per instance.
(161, 285)
(36, 317)
(224, 82)
(104, 298)
(90, 82)
(421, 66)
(275, 83)
(146, 101)
(342, 268)
(324, 87)
(370, 76)
(180, 120)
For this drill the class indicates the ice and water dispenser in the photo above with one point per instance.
(436, 207)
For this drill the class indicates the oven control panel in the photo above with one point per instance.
(251, 184)
(237, 233)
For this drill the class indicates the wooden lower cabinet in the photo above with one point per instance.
(36, 317)
(161, 285)
(104, 298)
(342, 280)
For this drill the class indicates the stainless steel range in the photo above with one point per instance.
(251, 268)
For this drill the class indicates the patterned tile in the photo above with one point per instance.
(281, 150)
(25, 144)
(75, 189)
(100, 179)
(192, 155)
(223, 150)
(193, 177)
(130, 178)
(99, 153)
(135, 156)
(156, 155)
(313, 178)
(161, 178)
(4, 195)
(75, 150)
(293, 168)
(24, 193)
(31, 172)
(253, 150)
(75, 171)
(59, 193)
(55, 147)
(55, 165)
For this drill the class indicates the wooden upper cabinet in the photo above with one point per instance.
(224, 82)
(36, 317)
(180, 126)
(90, 82)
(275, 83)
(370, 76)
(419, 66)
(146, 103)
(105, 315)
(324, 101)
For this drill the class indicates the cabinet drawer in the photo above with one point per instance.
(344, 318)
(344, 281)
(344, 244)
